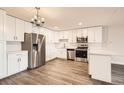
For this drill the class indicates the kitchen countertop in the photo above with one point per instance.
(105, 52)
(23, 51)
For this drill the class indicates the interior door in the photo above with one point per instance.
(13, 64)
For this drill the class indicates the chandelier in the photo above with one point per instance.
(37, 20)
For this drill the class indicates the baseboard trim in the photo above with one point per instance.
(51, 59)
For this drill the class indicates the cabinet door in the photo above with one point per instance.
(62, 53)
(91, 35)
(28, 27)
(36, 30)
(66, 34)
(85, 33)
(79, 33)
(100, 68)
(50, 36)
(74, 36)
(98, 34)
(23, 61)
(20, 28)
(56, 37)
(3, 64)
(70, 36)
(1, 25)
(10, 28)
(61, 35)
(13, 64)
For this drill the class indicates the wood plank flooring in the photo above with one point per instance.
(56, 72)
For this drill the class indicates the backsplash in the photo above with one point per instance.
(65, 45)
(13, 46)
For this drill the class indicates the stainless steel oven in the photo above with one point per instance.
(81, 52)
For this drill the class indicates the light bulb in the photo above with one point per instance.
(80, 23)
(32, 19)
(35, 17)
(38, 21)
(42, 19)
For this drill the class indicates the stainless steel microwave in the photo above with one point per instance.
(82, 39)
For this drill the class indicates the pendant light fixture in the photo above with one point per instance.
(37, 20)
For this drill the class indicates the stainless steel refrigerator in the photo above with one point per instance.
(35, 44)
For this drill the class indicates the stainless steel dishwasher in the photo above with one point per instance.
(71, 54)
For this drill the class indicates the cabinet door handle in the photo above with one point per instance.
(14, 37)
(18, 59)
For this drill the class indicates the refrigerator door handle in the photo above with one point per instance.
(40, 45)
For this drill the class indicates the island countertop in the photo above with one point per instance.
(105, 52)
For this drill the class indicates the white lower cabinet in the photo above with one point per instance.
(3, 63)
(100, 67)
(61, 53)
(17, 62)
(13, 64)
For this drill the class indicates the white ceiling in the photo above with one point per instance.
(66, 17)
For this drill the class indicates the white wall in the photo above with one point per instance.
(116, 31)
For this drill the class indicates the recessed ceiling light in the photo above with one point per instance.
(80, 23)
(56, 27)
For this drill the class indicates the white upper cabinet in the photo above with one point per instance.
(28, 27)
(10, 28)
(50, 36)
(56, 37)
(74, 36)
(95, 35)
(15, 29)
(36, 30)
(79, 33)
(61, 35)
(70, 36)
(66, 34)
(84, 32)
(98, 34)
(2, 23)
(20, 28)
(91, 35)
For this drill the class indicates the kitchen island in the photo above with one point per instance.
(102, 65)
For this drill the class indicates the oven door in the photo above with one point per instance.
(80, 53)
